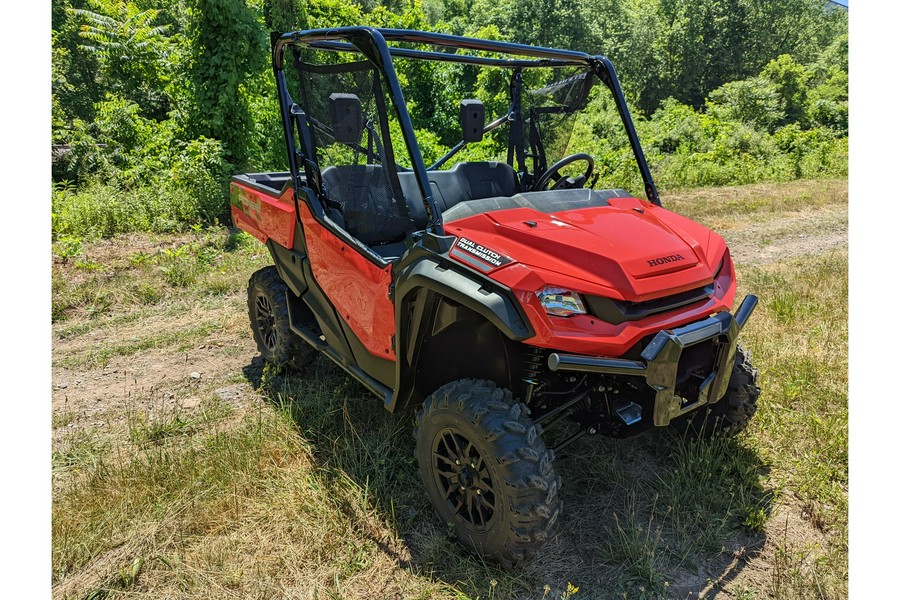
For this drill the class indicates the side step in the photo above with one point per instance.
(311, 337)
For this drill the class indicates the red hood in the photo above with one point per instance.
(634, 249)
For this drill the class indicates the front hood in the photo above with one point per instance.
(634, 249)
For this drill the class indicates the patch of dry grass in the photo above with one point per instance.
(764, 200)
(799, 339)
(156, 271)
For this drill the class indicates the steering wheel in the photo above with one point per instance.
(561, 182)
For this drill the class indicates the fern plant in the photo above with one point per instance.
(132, 50)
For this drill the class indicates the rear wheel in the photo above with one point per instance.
(732, 413)
(486, 470)
(267, 305)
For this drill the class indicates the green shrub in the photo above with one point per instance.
(676, 126)
(80, 156)
(68, 247)
(121, 127)
(105, 210)
(164, 191)
(830, 114)
(755, 102)
(790, 80)
(813, 153)
(201, 171)
(179, 266)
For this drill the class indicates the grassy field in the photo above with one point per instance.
(185, 468)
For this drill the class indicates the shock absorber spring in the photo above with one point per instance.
(532, 368)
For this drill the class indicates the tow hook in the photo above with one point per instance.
(628, 412)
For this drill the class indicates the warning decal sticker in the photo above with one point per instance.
(247, 202)
(478, 256)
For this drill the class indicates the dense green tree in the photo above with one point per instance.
(335, 13)
(75, 89)
(228, 45)
(555, 23)
(756, 101)
(703, 47)
(790, 79)
(132, 49)
(285, 15)
(698, 45)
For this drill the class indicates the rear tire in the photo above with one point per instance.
(733, 412)
(487, 471)
(267, 305)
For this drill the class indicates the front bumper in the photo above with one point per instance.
(661, 357)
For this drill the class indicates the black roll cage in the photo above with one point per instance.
(373, 44)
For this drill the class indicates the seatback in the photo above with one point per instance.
(371, 214)
(485, 180)
(465, 181)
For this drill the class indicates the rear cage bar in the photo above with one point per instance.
(373, 44)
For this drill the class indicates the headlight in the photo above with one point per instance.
(560, 302)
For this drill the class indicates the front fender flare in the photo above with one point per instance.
(417, 288)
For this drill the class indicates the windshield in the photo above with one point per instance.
(535, 109)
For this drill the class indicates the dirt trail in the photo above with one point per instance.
(812, 232)
(156, 378)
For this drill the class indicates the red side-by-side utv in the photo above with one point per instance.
(510, 298)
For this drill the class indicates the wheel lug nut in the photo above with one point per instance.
(462, 488)
(478, 492)
(472, 465)
(457, 461)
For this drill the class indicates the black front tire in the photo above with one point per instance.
(487, 471)
(267, 305)
(733, 412)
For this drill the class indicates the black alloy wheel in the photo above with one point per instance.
(464, 480)
(269, 320)
(265, 322)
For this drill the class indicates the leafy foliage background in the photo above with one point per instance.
(157, 102)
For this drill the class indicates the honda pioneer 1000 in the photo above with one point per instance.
(500, 297)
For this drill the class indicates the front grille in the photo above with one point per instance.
(619, 311)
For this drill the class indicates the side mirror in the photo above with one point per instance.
(471, 117)
(346, 118)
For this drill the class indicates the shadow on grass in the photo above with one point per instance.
(659, 516)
